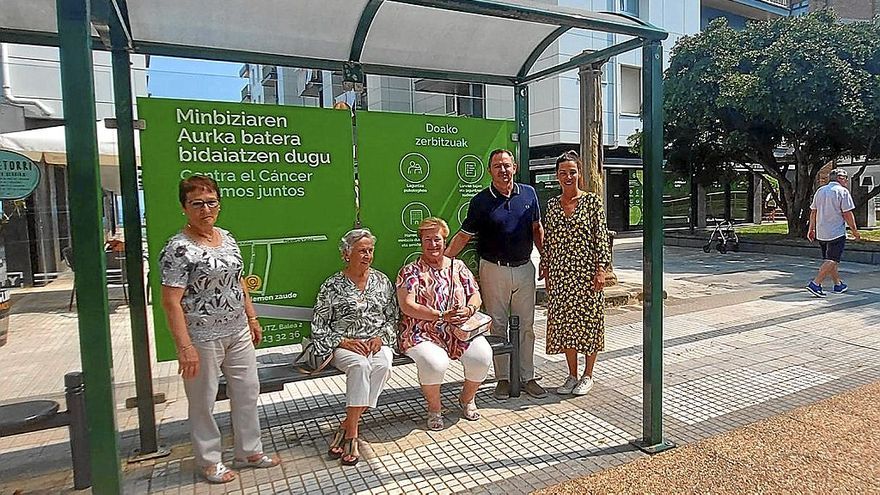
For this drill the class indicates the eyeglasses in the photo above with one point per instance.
(199, 204)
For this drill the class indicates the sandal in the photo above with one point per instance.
(218, 473)
(335, 450)
(351, 454)
(435, 421)
(469, 411)
(261, 462)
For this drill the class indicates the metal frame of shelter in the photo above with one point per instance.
(79, 20)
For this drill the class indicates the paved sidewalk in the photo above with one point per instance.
(743, 342)
(829, 447)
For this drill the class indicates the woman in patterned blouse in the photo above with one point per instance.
(356, 320)
(215, 329)
(435, 292)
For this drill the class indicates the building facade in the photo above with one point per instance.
(35, 231)
(554, 103)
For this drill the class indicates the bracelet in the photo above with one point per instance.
(473, 309)
(440, 316)
(186, 347)
(253, 318)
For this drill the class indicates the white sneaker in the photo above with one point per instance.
(583, 386)
(568, 386)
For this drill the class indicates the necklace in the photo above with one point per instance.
(208, 237)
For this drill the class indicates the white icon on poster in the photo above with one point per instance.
(413, 214)
(416, 217)
(470, 169)
(414, 168)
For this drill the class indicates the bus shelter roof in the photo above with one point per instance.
(471, 40)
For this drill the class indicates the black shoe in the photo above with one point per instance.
(502, 390)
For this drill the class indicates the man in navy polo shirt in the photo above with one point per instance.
(506, 219)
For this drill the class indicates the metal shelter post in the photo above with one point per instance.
(652, 252)
(134, 264)
(521, 111)
(84, 191)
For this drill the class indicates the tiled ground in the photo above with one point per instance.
(734, 355)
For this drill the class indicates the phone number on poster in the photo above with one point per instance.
(276, 338)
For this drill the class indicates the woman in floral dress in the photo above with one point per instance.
(576, 253)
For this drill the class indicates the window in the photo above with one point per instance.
(630, 90)
(629, 6)
(448, 98)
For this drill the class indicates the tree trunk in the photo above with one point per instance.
(799, 219)
(591, 141)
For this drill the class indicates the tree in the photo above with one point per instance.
(790, 95)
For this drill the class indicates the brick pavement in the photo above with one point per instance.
(743, 342)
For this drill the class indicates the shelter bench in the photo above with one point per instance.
(274, 376)
(37, 415)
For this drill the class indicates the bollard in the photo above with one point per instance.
(513, 335)
(74, 394)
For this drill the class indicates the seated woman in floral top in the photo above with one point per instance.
(355, 319)
(436, 292)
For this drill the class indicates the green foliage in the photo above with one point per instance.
(807, 86)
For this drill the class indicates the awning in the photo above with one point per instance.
(480, 40)
(47, 145)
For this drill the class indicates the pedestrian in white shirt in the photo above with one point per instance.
(831, 211)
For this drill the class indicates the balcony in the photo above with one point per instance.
(751, 9)
(314, 83)
(270, 75)
(245, 71)
(246, 94)
(270, 94)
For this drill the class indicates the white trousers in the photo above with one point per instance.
(511, 291)
(365, 376)
(234, 357)
(432, 361)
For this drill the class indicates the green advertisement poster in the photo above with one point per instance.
(286, 185)
(411, 167)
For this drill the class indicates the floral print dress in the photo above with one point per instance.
(573, 247)
(432, 288)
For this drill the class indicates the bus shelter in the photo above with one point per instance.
(480, 41)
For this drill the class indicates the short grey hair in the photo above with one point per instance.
(351, 237)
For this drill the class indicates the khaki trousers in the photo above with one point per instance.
(234, 357)
(511, 291)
